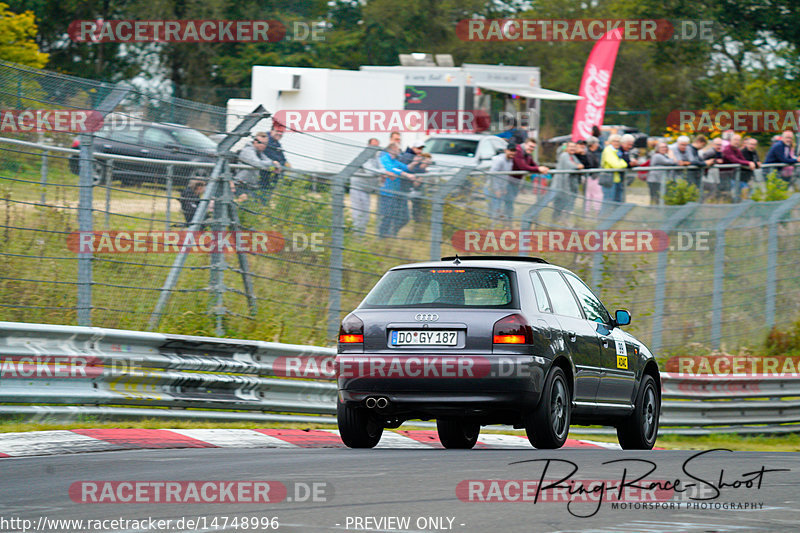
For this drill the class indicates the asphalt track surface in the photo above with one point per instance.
(417, 484)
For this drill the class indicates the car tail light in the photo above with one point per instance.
(76, 143)
(513, 329)
(352, 330)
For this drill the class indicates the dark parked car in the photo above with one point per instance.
(640, 138)
(492, 340)
(152, 141)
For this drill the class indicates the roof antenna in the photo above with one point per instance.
(457, 261)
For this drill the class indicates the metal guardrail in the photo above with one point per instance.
(81, 367)
(72, 371)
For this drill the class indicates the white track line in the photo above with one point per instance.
(504, 441)
(51, 443)
(390, 439)
(235, 438)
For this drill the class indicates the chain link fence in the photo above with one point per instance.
(93, 229)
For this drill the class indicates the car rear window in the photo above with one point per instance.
(444, 146)
(194, 139)
(443, 287)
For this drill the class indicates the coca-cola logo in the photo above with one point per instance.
(595, 89)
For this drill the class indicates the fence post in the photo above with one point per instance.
(598, 261)
(218, 264)
(719, 272)
(661, 274)
(85, 210)
(244, 266)
(194, 225)
(108, 177)
(772, 255)
(335, 268)
(85, 225)
(44, 175)
(169, 197)
(662, 189)
(735, 186)
(223, 151)
(437, 209)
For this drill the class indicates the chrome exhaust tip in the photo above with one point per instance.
(382, 403)
(370, 402)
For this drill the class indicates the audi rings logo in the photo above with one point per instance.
(426, 317)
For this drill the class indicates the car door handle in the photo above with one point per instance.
(605, 343)
(571, 336)
(107, 146)
(144, 151)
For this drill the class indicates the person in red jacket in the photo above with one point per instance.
(732, 154)
(523, 160)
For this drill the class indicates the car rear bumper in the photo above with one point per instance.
(434, 384)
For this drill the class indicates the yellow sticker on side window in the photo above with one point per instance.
(622, 361)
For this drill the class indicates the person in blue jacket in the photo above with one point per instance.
(781, 152)
(392, 201)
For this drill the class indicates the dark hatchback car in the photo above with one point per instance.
(492, 340)
(151, 141)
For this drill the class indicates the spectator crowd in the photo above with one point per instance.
(720, 168)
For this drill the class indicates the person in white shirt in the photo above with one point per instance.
(565, 198)
(498, 184)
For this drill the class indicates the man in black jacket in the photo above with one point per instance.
(190, 198)
(274, 152)
(749, 152)
(593, 153)
(694, 176)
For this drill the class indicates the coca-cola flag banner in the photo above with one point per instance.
(589, 111)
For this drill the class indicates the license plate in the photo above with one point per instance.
(424, 338)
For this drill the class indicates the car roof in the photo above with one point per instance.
(173, 126)
(506, 262)
(463, 136)
(161, 125)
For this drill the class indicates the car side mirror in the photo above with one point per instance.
(622, 317)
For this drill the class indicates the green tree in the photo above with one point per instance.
(106, 61)
(18, 38)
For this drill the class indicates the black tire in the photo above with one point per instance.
(639, 431)
(99, 170)
(74, 164)
(547, 426)
(458, 434)
(356, 427)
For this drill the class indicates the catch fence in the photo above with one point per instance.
(725, 274)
